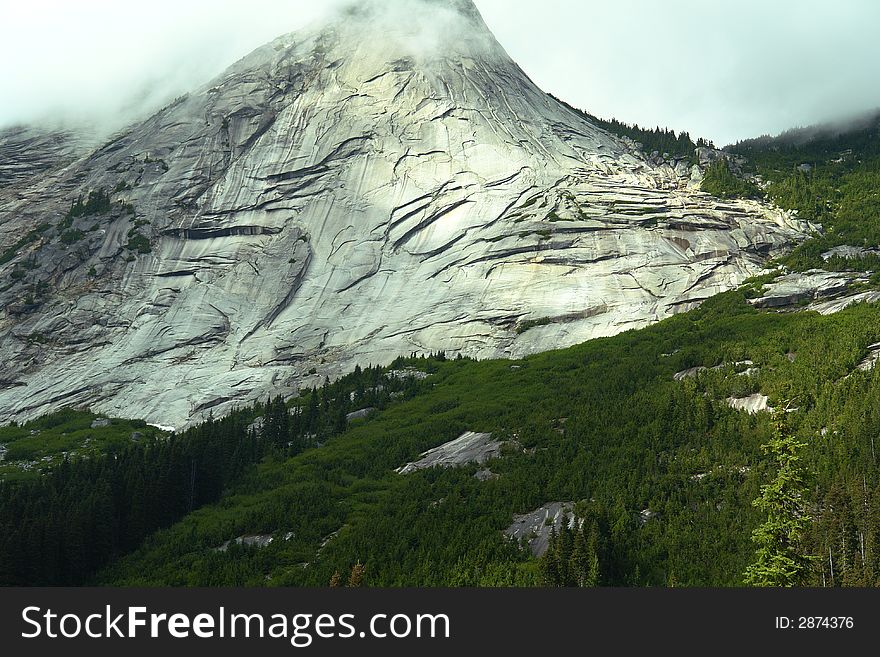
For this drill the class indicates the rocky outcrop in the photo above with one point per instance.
(832, 306)
(689, 373)
(343, 196)
(468, 448)
(870, 361)
(825, 292)
(359, 415)
(707, 156)
(485, 475)
(252, 540)
(795, 288)
(535, 527)
(752, 404)
(849, 252)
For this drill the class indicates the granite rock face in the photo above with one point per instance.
(815, 284)
(468, 448)
(27, 152)
(825, 292)
(344, 195)
(535, 527)
(752, 404)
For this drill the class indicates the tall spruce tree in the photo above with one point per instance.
(779, 560)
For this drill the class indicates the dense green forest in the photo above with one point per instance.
(116, 486)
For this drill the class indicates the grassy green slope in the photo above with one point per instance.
(602, 423)
(41, 444)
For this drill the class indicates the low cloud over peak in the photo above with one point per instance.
(726, 71)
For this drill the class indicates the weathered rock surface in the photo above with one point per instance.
(26, 152)
(825, 292)
(257, 425)
(535, 526)
(871, 359)
(468, 448)
(689, 373)
(259, 541)
(849, 252)
(338, 197)
(792, 289)
(359, 415)
(252, 540)
(752, 404)
(693, 372)
(485, 475)
(645, 516)
(845, 301)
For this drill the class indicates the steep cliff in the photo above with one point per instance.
(366, 188)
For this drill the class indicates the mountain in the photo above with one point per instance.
(27, 152)
(387, 183)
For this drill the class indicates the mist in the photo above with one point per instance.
(101, 64)
(721, 70)
(725, 71)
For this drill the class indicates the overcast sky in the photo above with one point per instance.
(723, 70)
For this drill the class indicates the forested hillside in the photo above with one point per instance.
(645, 435)
(831, 176)
(603, 424)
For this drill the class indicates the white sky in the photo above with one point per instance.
(723, 70)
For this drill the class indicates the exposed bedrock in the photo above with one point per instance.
(335, 198)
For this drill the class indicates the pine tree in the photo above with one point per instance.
(778, 558)
(356, 579)
(548, 565)
(580, 559)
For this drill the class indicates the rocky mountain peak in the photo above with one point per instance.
(388, 183)
(414, 11)
(426, 32)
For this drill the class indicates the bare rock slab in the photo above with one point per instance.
(872, 359)
(812, 285)
(470, 447)
(535, 526)
(752, 404)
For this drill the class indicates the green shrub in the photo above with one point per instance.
(138, 242)
(720, 181)
(71, 236)
(97, 202)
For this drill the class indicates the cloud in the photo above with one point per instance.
(721, 70)
(110, 62)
